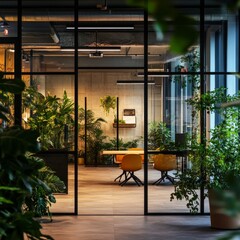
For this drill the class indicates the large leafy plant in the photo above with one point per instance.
(159, 136)
(17, 174)
(42, 197)
(215, 161)
(122, 145)
(94, 134)
(51, 116)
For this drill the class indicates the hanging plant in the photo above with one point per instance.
(108, 103)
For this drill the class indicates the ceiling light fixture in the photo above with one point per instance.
(102, 49)
(90, 49)
(153, 74)
(5, 26)
(96, 54)
(102, 28)
(131, 82)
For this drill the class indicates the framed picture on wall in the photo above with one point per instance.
(129, 112)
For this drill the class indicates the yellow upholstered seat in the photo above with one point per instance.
(137, 149)
(164, 163)
(118, 160)
(130, 164)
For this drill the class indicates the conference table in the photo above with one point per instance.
(182, 154)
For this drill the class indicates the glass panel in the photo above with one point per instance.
(215, 119)
(46, 39)
(48, 103)
(7, 68)
(170, 117)
(7, 58)
(171, 122)
(108, 71)
(221, 41)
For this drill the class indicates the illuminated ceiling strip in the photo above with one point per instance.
(101, 28)
(130, 82)
(153, 74)
(90, 49)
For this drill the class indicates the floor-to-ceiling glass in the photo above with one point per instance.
(48, 100)
(111, 97)
(171, 120)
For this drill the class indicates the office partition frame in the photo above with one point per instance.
(17, 41)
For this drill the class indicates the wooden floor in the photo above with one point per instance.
(98, 194)
(111, 212)
(132, 228)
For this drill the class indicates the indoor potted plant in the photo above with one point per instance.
(42, 195)
(107, 103)
(159, 136)
(52, 117)
(18, 173)
(214, 163)
(94, 135)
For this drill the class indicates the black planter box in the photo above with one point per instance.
(58, 162)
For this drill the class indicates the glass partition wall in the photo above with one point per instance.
(111, 98)
(170, 118)
(89, 89)
(49, 103)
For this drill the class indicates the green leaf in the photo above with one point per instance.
(18, 139)
(12, 85)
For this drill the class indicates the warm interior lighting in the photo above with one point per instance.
(101, 28)
(5, 32)
(153, 74)
(91, 49)
(96, 54)
(102, 49)
(5, 26)
(124, 82)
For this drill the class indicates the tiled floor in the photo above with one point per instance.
(131, 228)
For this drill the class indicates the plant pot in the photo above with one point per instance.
(219, 217)
(81, 161)
(58, 162)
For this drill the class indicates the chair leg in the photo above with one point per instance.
(170, 178)
(134, 177)
(162, 178)
(137, 180)
(120, 176)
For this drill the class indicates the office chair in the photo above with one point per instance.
(137, 149)
(118, 160)
(130, 164)
(164, 163)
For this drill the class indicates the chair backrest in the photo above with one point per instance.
(118, 158)
(131, 162)
(137, 149)
(165, 162)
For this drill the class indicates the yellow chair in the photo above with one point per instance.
(137, 149)
(118, 160)
(164, 163)
(130, 164)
